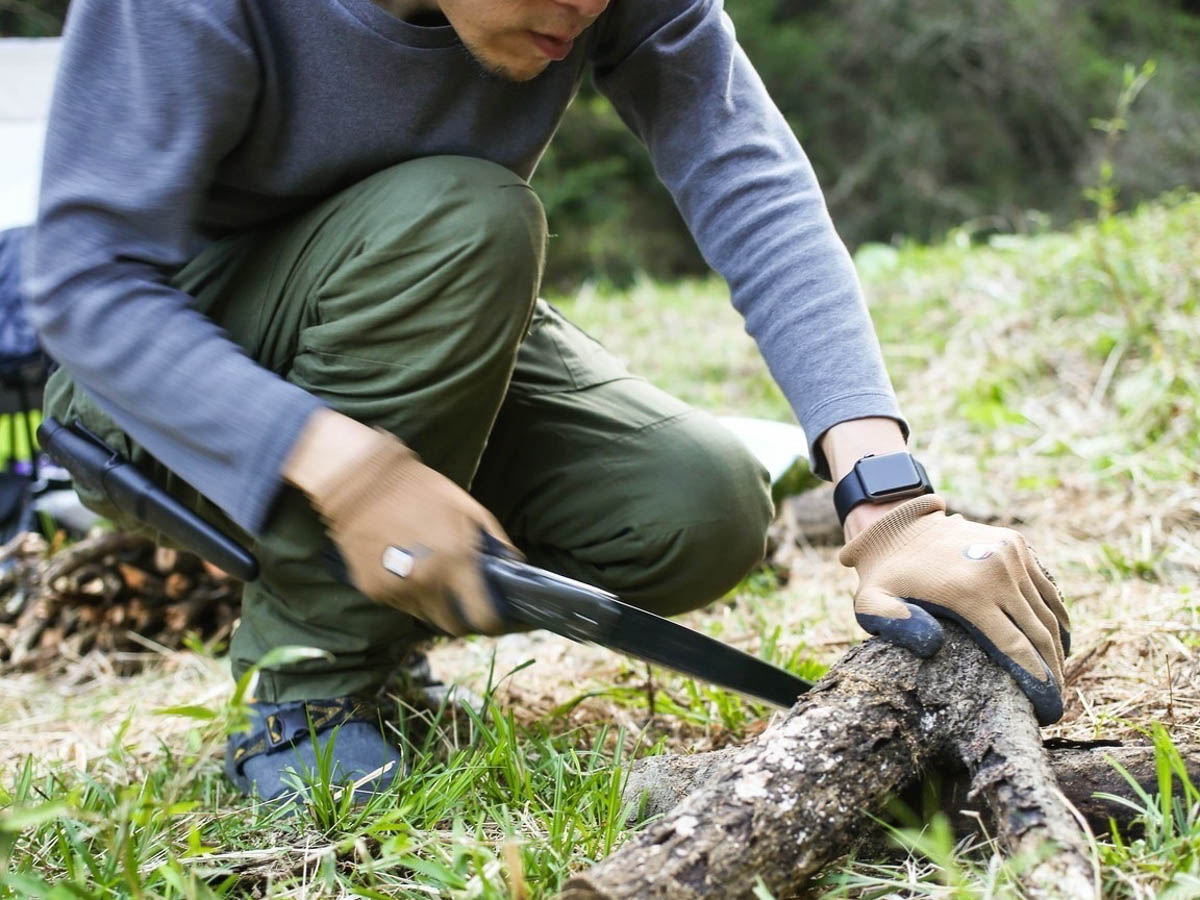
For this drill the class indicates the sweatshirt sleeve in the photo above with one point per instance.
(677, 76)
(150, 95)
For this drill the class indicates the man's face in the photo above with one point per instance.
(517, 39)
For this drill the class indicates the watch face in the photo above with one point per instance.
(892, 473)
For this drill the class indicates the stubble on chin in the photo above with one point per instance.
(493, 70)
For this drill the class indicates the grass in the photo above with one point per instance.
(167, 824)
(1051, 380)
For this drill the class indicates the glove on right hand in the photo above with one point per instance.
(411, 537)
(916, 562)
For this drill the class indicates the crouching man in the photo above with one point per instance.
(288, 258)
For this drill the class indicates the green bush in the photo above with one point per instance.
(922, 115)
(609, 217)
(31, 18)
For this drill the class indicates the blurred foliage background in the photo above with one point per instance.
(31, 18)
(918, 115)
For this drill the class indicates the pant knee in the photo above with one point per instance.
(722, 504)
(709, 559)
(449, 243)
(484, 220)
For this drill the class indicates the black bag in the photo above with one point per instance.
(17, 337)
(23, 372)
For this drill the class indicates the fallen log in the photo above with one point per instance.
(1083, 770)
(796, 798)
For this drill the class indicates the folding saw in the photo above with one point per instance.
(526, 594)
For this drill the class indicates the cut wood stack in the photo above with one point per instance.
(111, 593)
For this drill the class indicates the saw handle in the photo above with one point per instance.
(505, 574)
(94, 464)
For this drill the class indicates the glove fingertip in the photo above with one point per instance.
(920, 633)
(1044, 693)
(1045, 696)
(1065, 637)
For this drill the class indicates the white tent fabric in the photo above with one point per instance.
(27, 67)
(776, 444)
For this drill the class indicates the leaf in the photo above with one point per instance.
(369, 894)
(33, 816)
(289, 654)
(26, 885)
(191, 712)
(435, 869)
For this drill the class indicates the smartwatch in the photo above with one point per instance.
(880, 479)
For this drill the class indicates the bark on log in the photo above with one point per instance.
(87, 551)
(783, 806)
(1083, 769)
(1024, 799)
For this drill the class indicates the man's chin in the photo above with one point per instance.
(528, 74)
(507, 69)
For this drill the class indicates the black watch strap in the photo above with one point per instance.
(880, 479)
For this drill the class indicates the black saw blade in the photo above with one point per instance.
(582, 612)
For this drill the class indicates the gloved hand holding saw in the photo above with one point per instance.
(409, 536)
(916, 564)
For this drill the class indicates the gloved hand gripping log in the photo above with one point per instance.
(916, 565)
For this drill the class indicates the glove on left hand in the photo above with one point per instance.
(917, 561)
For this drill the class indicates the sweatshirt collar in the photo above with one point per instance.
(397, 30)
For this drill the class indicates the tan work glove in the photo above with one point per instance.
(411, 538)
(916, 563)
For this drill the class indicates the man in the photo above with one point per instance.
(289, 261)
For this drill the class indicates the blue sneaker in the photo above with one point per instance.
(265, 760)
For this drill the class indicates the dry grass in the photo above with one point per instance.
(77, 721)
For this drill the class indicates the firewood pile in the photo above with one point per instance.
(111, 595)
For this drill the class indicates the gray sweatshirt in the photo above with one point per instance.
(175, 122)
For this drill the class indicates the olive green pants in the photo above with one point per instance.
(409, 301)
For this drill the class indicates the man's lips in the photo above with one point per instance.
(553, 47)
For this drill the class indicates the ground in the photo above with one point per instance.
(1052, 380)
